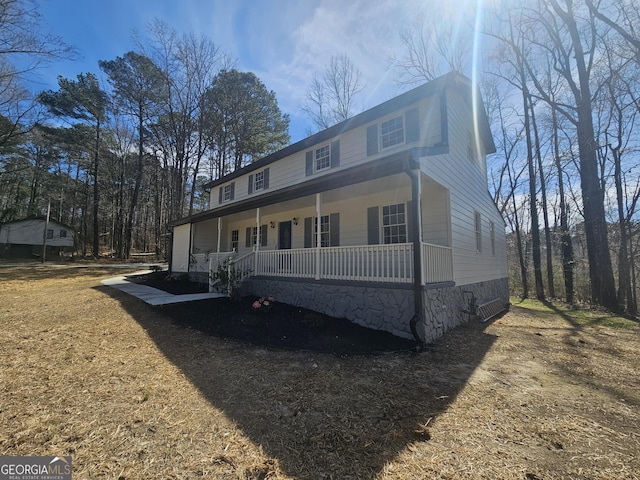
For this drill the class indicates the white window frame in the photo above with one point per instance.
(254, 235)
(395, 228)
(258, 181)
(393, 135)
(325, 231)
(492, 237)
(235, 240)
(478, 230)
(226, 193)
(322, 158)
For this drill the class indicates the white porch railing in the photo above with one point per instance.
(299, 262)
(371, 263)
(437, 263)
(208, 262)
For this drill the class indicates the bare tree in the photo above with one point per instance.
(434, 45)
(22, 43)
(568, 37)
(332, 95)
(189, 64)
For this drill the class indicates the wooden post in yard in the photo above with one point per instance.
(44, 236)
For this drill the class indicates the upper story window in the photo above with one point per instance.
(49, 234)
(401, 129)
(392, 132)
(63, 233)
(492, 237)
(226, 193)
(322, 158)
(478, 229)
(258, 181)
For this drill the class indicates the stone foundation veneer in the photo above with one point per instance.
(443, 307)
(388, 307)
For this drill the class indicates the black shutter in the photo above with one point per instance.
(250, 190)
(265, 179)
(372, 139)
(335, 154)
(263, 235)
(373, 225)
(248, 243)
(309, 163)
(412, 125)
(308, 232)
(233, 190)
(334, 230)
(220, 196)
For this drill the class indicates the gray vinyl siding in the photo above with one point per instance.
(456, 172)
(30, 232)
(180, 250)
(205, 236)
(292, 170)
(453, 188)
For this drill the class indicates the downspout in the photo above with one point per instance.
(417, 254)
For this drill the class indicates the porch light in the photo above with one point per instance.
(272, 224)
(295, 220)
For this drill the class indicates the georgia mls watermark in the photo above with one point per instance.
(35, 468)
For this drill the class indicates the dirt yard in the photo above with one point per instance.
(87, 371)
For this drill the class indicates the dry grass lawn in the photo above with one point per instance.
(87, 371)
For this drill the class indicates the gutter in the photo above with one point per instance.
(417, 254)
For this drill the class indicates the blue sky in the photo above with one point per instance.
(282, 41)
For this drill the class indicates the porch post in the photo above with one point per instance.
(258, 240)
(219, 234)
(419, 224)
(318, 235)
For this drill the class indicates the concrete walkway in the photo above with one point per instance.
(153, 296)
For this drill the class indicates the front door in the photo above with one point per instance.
(284, 235)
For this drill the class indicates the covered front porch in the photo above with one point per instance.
(360, 263)
(358, 232)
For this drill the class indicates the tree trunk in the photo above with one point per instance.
(136, 187)
(565, 236)
(603, 290)
(533, 204)
(545, 212)
(96, 195)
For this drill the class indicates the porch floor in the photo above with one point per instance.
(153, 296)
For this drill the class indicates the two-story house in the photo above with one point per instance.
(384, 219)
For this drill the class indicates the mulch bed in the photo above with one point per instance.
(284, 326)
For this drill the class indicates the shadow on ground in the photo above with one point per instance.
(321, 416)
